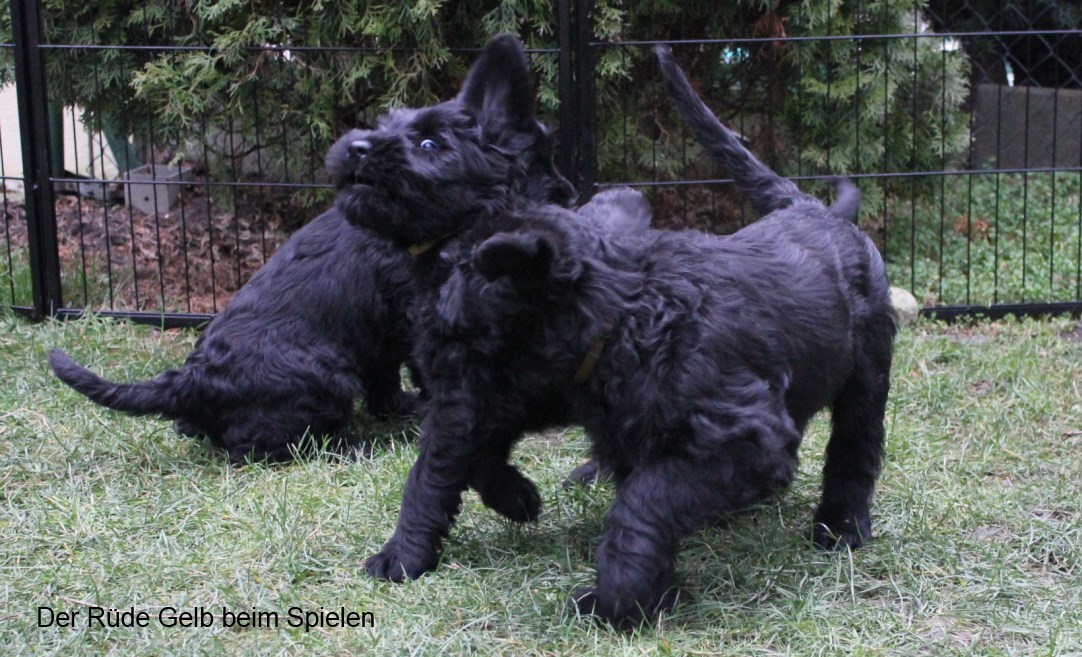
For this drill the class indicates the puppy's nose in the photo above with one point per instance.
(359, 149)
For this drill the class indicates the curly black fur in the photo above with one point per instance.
(321, 323)
(325, 320)
(715, 353)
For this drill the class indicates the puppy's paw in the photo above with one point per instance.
(508, 493)
(188, 428)
(398, 405)
(522, 502)
(587, 473)
(395, 564)
(584, 600)
(588, 602)
(840, 535)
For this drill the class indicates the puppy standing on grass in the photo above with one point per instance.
(693, 361)
(323, 322)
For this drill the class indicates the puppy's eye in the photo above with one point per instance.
(428, 145)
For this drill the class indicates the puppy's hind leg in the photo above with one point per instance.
(277, 432)
(855, 448)
(660, 503)
(383, 393)
(251, 437)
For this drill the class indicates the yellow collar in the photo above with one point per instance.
(419, 248)
(589, 361)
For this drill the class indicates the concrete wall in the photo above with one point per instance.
(9, 139)
(1026, 127)
(83, 152)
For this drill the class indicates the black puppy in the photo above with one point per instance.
(693, 361)
(324, 320)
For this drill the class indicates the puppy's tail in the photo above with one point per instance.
(766, 190)
(847, 203)
(160, 395)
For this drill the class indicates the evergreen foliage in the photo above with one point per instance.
(820, 106)
(252, 72)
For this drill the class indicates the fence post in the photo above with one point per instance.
(565, 75)
(585, 123)
(32, 99)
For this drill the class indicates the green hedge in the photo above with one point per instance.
(809, 107)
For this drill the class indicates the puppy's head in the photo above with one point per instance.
(503, 300)
(426, 174)
(550, 249)
(530, 262)
(530, 272)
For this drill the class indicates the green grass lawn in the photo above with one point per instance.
(978, 518)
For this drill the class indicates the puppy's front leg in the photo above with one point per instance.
(430, 500)
(502, 487)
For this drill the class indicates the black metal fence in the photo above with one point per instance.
(960, 121)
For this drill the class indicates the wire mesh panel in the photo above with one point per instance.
(187, 143)
(161, 217)
(1016, 228)
(186, 140)
(163, 213)
(960, 122)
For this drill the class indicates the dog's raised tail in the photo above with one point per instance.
(847, 198)
(766, 190)
(158, 396)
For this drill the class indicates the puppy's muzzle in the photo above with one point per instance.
(357, 152)
(359, 149)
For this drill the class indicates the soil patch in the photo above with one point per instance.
(191, 258)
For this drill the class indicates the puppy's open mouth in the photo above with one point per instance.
(359, 180)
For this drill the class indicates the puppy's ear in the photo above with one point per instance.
(526, 259)
(498, 92)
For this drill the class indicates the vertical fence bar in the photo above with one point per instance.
(565, 84)
(32, 100)
(586, 149)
